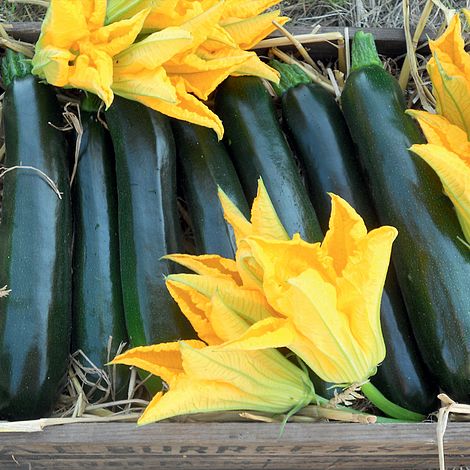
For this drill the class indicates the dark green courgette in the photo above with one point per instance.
(149, 227)
(432, 265)
(205, 164)
(35, 247)
(98, 312)
(320, 136)
(258, 148)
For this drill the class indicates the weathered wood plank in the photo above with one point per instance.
(28, 32)
(235, 446)
(390, 41)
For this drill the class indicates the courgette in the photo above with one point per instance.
(35, 247)
(98, 312)
(258, 147)
(321, 139)
(149, 226)
(205, 165)
(432, 265)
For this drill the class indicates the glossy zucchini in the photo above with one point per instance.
(204, 165)
(432, 265)
(35, 247)
(320, 136)
(98, 312)
(149, 227)
(258, 148)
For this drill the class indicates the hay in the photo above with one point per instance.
(362, 13)
(90, 392)
(4, 291)
(359, 13)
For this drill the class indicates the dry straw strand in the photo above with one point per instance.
(18, 46)
(298, 45)
(4, 171)
(39, 3)
(448, 406)
(4, 291)
(313, 74)
(406, 68)
(411, 55)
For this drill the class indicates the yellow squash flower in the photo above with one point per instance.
(264, 222)
(448, 153)
(222, 50)
(328, 295)
(448, 133)
(75, 48)
(201, 378)
(191, 48)
(449, 69)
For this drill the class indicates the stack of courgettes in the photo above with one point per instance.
(124, 202)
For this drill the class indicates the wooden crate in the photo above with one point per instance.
(390, 41)
(238, 446)
(235, 446)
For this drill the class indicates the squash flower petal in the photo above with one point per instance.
(346, 230)
(246, 8)
(52, 64)
(187, 108)
(194, 294)
(218, 381)
(449, 69)
(212, 265)
(201, 26)
(466, 12)
(203, 72)
(218, 39)
(153, 51)
(240, 225)
(448, 153)
(162, 359)
(94, 12)
(331, 308)
(77, 27)
(257, 68)
(117, 10)
(154, 84)
(93, 72)
(117, 37)
(439, 131)
(65, 24)
(284, 259)
(194, 306)
(166, 13)
(454, 172)
(264, 222)
(247, 32)
(203, 379)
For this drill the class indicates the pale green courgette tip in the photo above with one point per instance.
(364, 52)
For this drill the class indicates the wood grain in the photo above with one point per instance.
(235, 446)
(390, 41)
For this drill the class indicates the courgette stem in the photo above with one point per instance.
(91, 103)
(291, 75)
(389, 408)
(319, 400)
(14, 65)
(364, 52)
